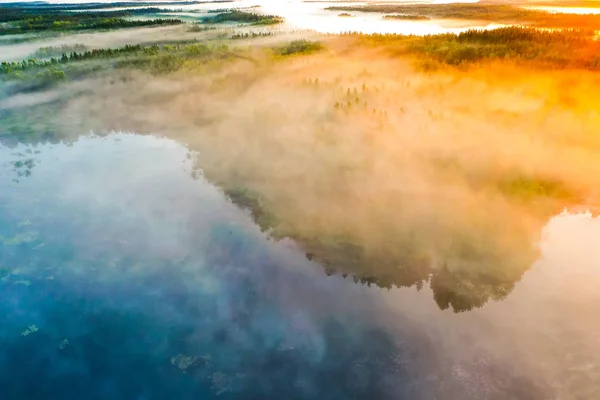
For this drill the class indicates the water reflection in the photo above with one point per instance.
(313, 16)
(122, 276)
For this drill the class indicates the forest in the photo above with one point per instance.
(548, 49)
(408, 17)
(353, 103)
(18, 20)
(243, 17)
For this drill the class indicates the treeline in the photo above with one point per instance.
(41, 24)
(251, 35)
(301, 46)
(199, 28)
(15, 14)
(243, 17)
(15, 20)
(157, 58)
(170, 58)
(101, 6)
(407, 17)
(570, 48)
(57, 51)
(519, 34)
(460, 289)
(575, 49)
(11, 67)
(448, 10)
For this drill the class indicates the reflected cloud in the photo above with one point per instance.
(145, 258)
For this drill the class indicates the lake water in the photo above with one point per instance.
(313, 16)
(125, 275)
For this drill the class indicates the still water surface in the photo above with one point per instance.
(125, 275)
(315, 17)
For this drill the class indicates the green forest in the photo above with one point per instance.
(18, 20)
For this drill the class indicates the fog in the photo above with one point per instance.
(314, 16)
(98, 40)
(454, 210)
(138, 233)
(377, 170)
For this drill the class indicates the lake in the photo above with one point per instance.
(313, 16)
(124, 274)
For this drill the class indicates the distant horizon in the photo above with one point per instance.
(260, 2)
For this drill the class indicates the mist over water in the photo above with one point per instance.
(124, 274)
(314, 16)
(347, 226)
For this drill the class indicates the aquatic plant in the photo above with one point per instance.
(19, 239)
(184, 362)
(220, 383)
(29, 330)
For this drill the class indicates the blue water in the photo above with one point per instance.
(141, 281)
(125, 275)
